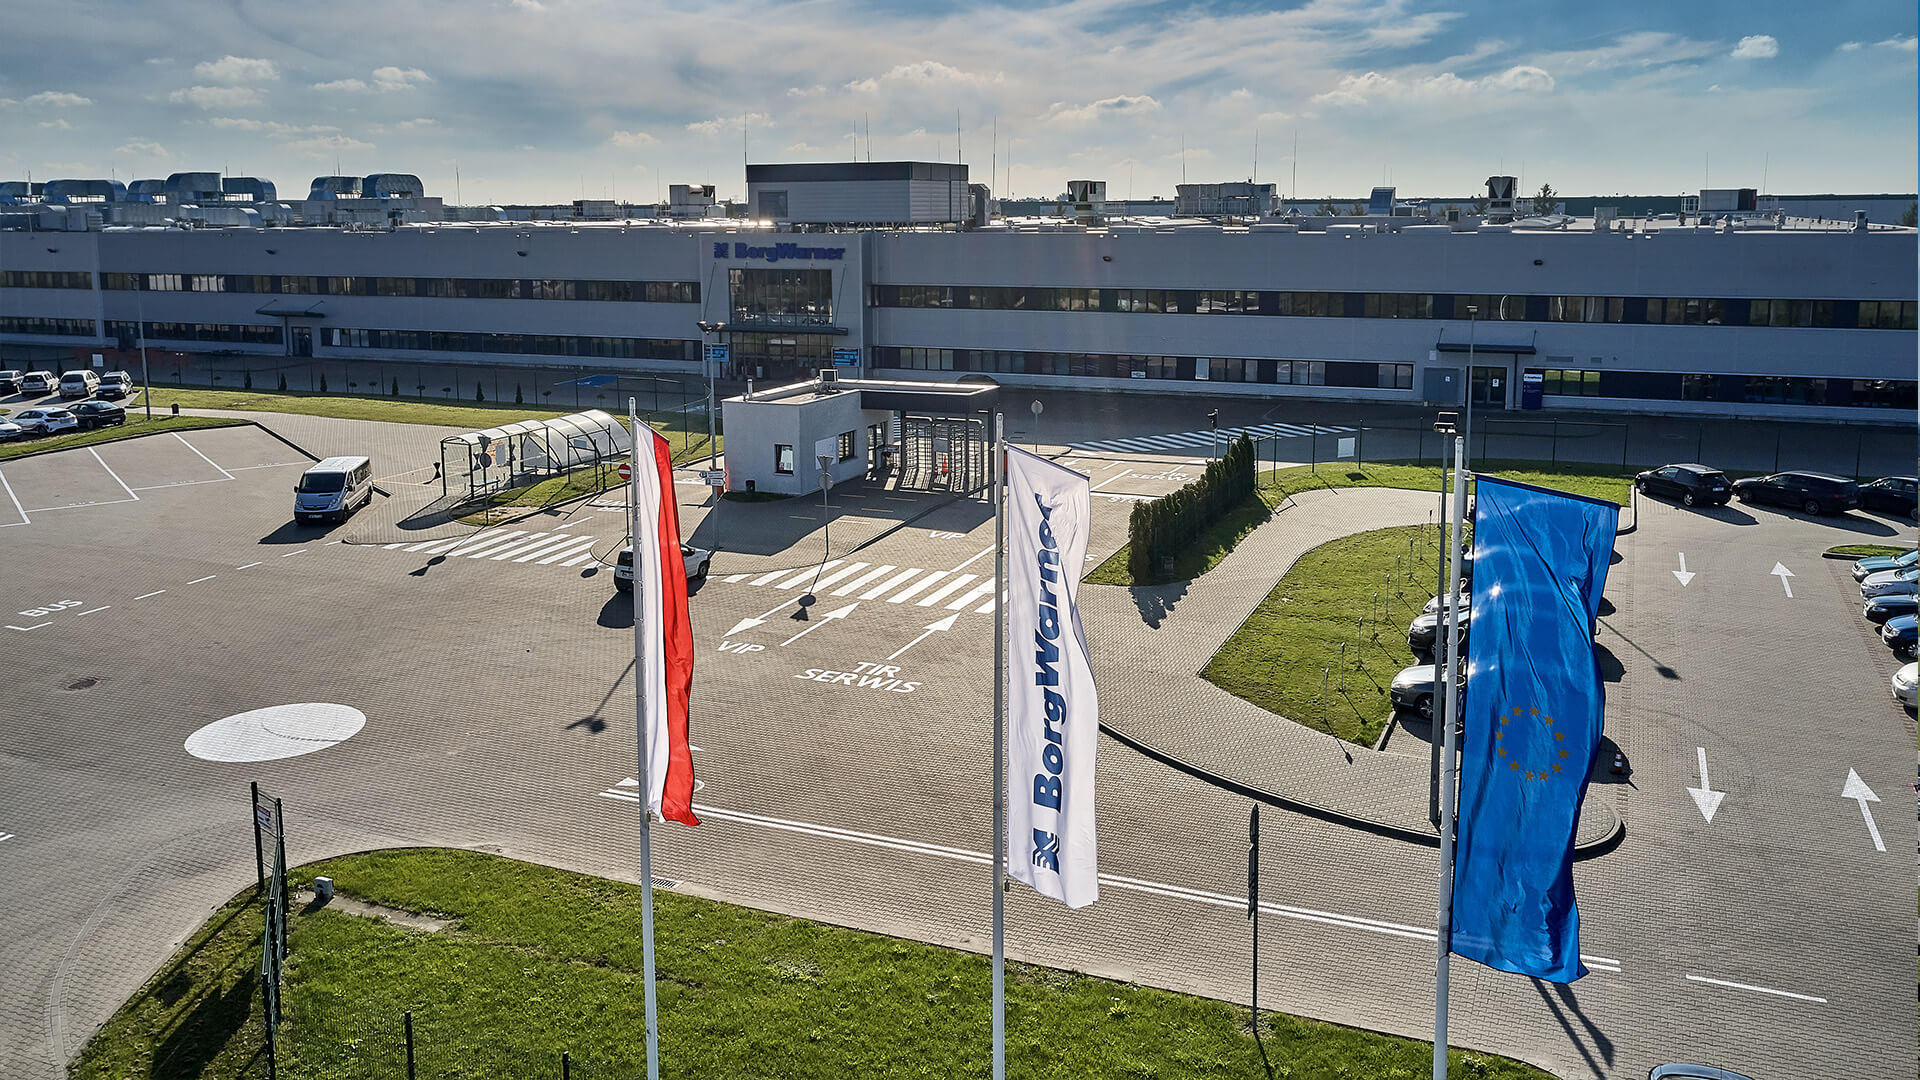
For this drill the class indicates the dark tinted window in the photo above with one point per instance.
(322, 483)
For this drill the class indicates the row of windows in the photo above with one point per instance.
(1632, 310)
(27, 324)
(617, 348)
(650, 292)
(45, 279)
(1353, 374)
(1749, 389)
(242, 333)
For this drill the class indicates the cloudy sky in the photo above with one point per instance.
(550, 100)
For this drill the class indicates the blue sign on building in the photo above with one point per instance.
(774, 253)
(846, 357)
(717, 354)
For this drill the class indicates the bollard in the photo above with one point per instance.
(566, 1066)
(176, 408)
(408, 1018)
(1343, 666)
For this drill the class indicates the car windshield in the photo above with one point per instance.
(324, 483)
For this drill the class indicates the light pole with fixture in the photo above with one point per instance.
(1466, 429)
(706, 366)
(1213, 418)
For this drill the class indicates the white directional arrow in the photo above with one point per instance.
(943, 624)
(824, 619)
(1783, 574)
(1704, 797)
(1859, 792)
(1685, 576)
(748, 624)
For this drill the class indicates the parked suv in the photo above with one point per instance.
(79, 383)
(1895, 494)
(10, 381)
(36, 383)
(114, 385)
(696, 560)
(1691, 484)
(46, 421)
(1815, 493)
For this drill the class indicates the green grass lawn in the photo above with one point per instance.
(1216, 542)
(135, 426)
(557, 489)
(1864, 551)
(1276, 658)
(538, 961)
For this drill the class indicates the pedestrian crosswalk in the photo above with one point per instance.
(1204, 439)
(911, 586)
(559, 549)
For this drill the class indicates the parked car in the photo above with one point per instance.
(1692, 484)
(1881, 608)
(1889, 582)
(1812, 492)
(1429, 630)
(1873, 564)
(695, 558)
(1901, 634)
(10, 381)
(1413, 688)
(114, 386)
(37, 383)
(1906, 686)
(96, 414)
(1679, 1071)
(47, 421)
(1436, 603)
(1894, 494)
(78, 383)
(10, 430)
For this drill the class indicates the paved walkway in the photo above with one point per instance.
(1155, 641)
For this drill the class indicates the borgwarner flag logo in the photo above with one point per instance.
(774, 253)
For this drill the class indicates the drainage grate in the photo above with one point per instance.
(664, 882)
(83, 684)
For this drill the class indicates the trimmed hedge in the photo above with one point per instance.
(1159, 529)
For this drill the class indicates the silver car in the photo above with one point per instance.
(1906, 686)
(46, 421)
(1889, 582)
(695, 558)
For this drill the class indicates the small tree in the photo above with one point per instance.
(396, 386)
(283, 380)
(478, 393)
(1357, 210)
(1546, 200)
(323, 382)
(1327, 209)
(1911, 218)
(247, 378)
(517, 399)
(1480, 206)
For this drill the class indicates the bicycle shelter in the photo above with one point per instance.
(475, 464)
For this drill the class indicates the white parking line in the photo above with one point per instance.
(23, 629)
(249, 566)
(203, 457)
(1758, 989)
(90, 611)
(273, 465)
(110, 472)
(291, 554)
(198, 580)
(21, 510)
(157, 592)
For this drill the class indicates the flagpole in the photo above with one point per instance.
(641, 628)
(1000, 751)
(1449, 769)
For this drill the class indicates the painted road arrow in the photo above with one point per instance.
(840, 613)
(943, 624)
(1859, 792)
(1783, 574)
(1704, 797)
(1685, 576)
(748, 624)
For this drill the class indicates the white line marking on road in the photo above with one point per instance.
(203, 457)
(21, 510)
(767, 579)
(1758, 989)
(973, 595)
(546, 547)
(486, 544)
(964, 565)
(91, 610)
(952, 586)
(1857, 790)
(157, 592)
(808, 574)
(291, 554)
(838, 613)
(435, 547)
(6, 836)
(917, 587)
(731, 578)
(35, 626)
(272, 465)
(1704, 797)
(897, 579)
(330, 543)
(748, 624)
(1683, 573)
(943, 624)
(1783, 574)
(110, 472)
(249, 566)
(839, 575)
(1109, 480)
(586, 556)
(198, 580)
(571, 555)
(856, 583)
(527, 543)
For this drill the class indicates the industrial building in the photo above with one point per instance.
(899, 271)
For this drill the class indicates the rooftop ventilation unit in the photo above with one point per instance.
(829, 381)
(1500, 198)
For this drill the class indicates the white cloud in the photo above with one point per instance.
(727, 123)
(529, 5)
(57, 99)
(1847, 46)
(237, 69)
(1359, 89)
(142, 147)
(1121, 105)
(159, 59)
(350, 86)
(217, 97)
(1904, 44)
(269, 127)
(321, 146)
(807, 92)
(393, 78)
(58, 125)
(632, 140)
(1756, 47)
(925, 72)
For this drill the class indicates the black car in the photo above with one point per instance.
(1692, 484)
(1815, 493)
(97, 414)
(1428, 632)
(1901, 634)
(1895, 494)
(1881, 608)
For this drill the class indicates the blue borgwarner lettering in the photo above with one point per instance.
(1046, 675)
(774, 253)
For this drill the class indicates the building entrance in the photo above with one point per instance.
(1489, 387)
(942, 454)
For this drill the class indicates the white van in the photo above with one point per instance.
(334, 488)
(79, 383)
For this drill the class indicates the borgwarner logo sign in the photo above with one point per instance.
(774, 253)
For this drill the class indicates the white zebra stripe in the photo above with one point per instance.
(944, 591)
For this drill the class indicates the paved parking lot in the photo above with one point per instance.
(843, 758)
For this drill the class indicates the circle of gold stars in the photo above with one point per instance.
(1500, 749)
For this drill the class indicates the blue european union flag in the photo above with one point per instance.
(1532, 715)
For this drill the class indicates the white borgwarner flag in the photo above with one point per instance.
(1053, 712)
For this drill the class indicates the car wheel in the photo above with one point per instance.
(1424, 706)
(702, 574)
(1810, 506)
(1687, 498)
(1640, 486)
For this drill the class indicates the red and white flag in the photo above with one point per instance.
(663, 630)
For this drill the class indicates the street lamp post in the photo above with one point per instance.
(140, 325)
(706, 366)
(1213, 418)
(1466, 429)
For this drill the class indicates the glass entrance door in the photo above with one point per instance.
(1489, 387)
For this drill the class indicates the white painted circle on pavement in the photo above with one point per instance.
(278, 731)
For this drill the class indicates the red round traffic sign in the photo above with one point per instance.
(626, 471)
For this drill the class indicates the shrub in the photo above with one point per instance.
(323, 382)
(1159, 529)
(283, 380)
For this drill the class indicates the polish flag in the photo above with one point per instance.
(663, 633)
